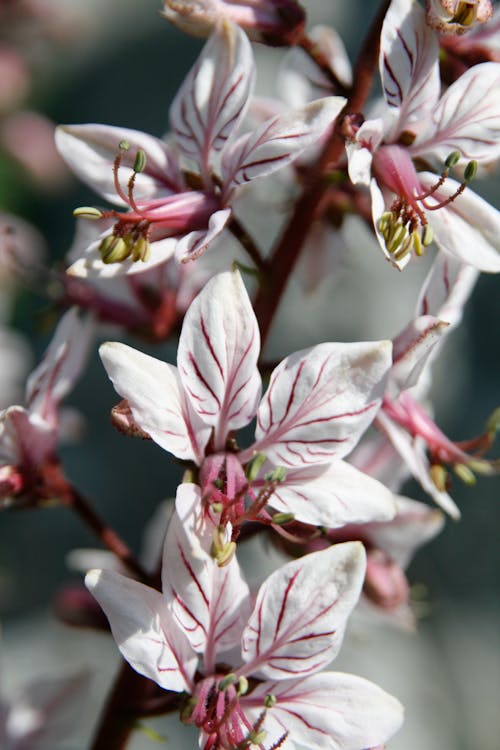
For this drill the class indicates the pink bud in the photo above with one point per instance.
(385, 583)
(274, 22)
(457, 16)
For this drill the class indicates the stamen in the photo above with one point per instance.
(88, 212)
(280, 519)
(465, 14)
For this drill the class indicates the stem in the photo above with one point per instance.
(120, 712)
(247, 242)
(290, 244)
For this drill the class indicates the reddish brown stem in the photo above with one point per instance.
(288, 248)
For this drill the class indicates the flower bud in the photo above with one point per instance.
(385, 583)
(457, 16)
(274, 22)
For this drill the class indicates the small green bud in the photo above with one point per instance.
(270, 700)
(140, 161)
(465, 474)
(124, 145)
(427, 235)
(229, 679)
(470, 171)
(281, 518)
(452, 159)
(254, 466)
(277, 475)
(88, 212)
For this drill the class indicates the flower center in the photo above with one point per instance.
(147, 220)
(405, 227)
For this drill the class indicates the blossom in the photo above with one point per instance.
(457, 16)
(29, 435)
(276, 22)
(272, 695)
(167, 209)
(318, 403)
(460, 128)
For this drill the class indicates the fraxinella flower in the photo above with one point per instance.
(29, 435)
(275, 22)
(318, 404)
(457, 16)
(163, 209)
(405, 417)
(462, 128)
(271, 695)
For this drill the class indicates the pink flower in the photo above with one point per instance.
(272, 695)
(457, 16)
(318, 404)
(165, 209)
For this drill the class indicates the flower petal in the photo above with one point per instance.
(159, 406)
(213, 98)
(330, 711)
(90, 151)
(194, 244)
(409, 63)
(301, 611)
(467, 117)
(278, 141)
(412, 349)
(468, 228)
(332, 496)
(210, 603)
(217, 357)
(319, 402)
(447, 289)
(144, 630)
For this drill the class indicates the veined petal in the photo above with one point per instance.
(360, 151)
(412, 350)
(301, 612)
(413, 525)
(210, 603)
(468, 228)
(409, 63)
(60, 366)
(143, 629)
(194, 244)
(446, 289)
(330, 711)
(90, 151)
(159, 405)
(277, 141)
(320, 401)
(467, 117)
(217, 356)
(213, 98)
(332, 496)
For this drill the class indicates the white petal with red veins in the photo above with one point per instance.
(412, 350)
(214, 96)
(194, 244)
(330, 711)
(320, 401)
(157, 400)
(446, 289)
(210, 603)
(409, 63)
(278, 141)
(301, 611)
(90, 151)
(60, 366)
(143, 629)
(468, 228)
(467, 117)
(217, 357)
(332, 496)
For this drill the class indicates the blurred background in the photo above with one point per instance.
(118, 62)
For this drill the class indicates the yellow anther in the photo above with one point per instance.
(224, 555)
(465, 474)
(465, 14)
(140, 161)
(427, 235)
(439, 476)
(124, 145)
(270, 700)
(229, 679)
(113, 249)
(242, 685)
(417, 243)
(88, 212)
(281, 518)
